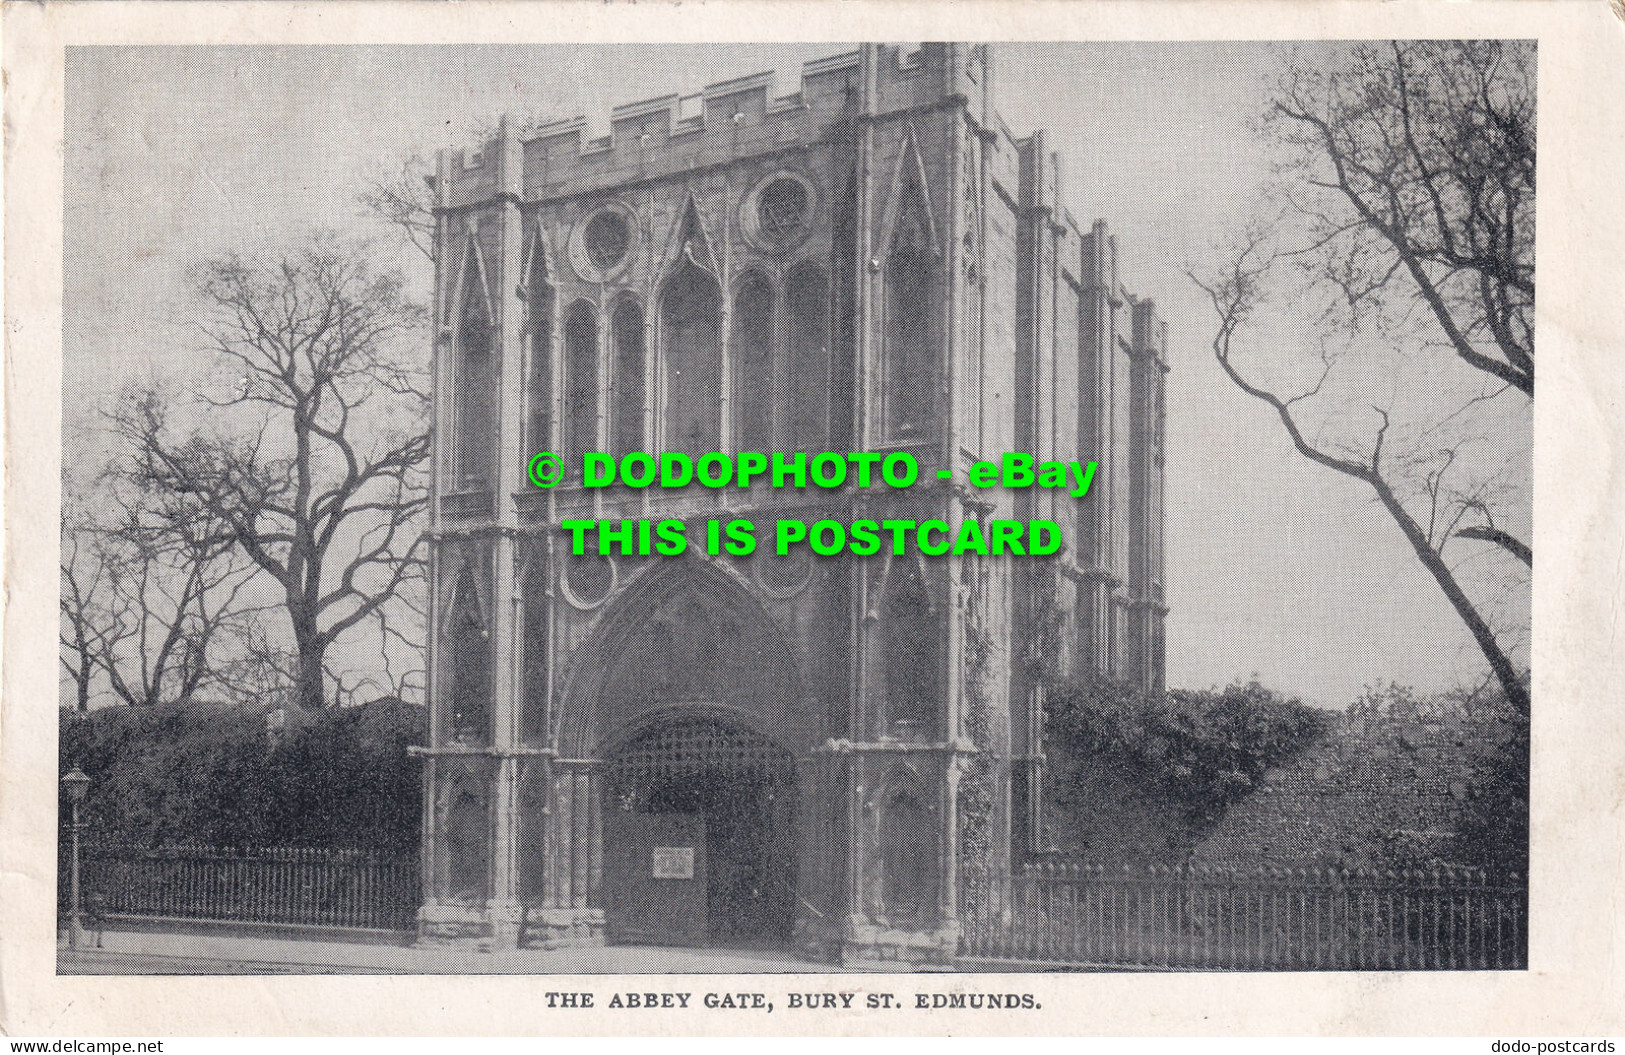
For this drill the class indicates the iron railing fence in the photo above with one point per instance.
(1181, 917)
(305, 885)
(1192, 917)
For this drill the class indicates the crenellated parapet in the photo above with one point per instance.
(675, 134)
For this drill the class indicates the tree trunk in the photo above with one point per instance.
(309, 690)
(1511, 683)
(81, 676)
(1517, 693)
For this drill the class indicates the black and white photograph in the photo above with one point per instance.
(341, 691)
(964, 522)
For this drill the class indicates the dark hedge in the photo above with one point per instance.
(215, 775)
(1191, 753)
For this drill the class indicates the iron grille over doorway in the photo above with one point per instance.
(693, 748)
(727, 791)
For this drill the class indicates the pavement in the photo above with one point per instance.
(135, 951)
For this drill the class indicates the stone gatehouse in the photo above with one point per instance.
(799, 751)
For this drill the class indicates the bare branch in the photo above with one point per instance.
(314, 493)
(405, 199)
(1500, 538)
(1410, 197)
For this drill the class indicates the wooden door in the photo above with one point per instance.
(655, 878)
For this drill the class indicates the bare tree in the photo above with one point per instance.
(314, 461)
(258, 669)
(1236, 297)
(405, 198)
(80, 601)
(173, 584)
(1426, 152)
(1409, 208)
(148, 592)
(403, 625)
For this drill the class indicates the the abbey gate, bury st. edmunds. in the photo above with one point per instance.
(797, 751)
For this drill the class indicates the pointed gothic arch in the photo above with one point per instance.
(911, 292)
(627, 377)
(580, 381)
(910, 650)
(807, 346)
(540, 300)
(691, 354)
(690, 240)
(751, 356)
(908, 197)
(464, 865)
(685, 632)
(468, 649)
(907, 832)
(474, 374)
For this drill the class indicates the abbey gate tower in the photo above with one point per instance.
(801, 751)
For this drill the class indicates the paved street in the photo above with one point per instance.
(127, 952)
(96, 962)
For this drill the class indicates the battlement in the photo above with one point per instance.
(733, 118)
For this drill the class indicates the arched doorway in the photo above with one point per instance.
(698, 843)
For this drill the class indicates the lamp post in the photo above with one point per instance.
(76, 784)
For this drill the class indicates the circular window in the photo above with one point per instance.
(781, 210)
(604, 242)
(588, 580)
(607, 238)
(783, 576)
(778, 212)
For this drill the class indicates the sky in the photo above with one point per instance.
(1275, 567)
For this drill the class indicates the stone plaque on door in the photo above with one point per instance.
(674, 862)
